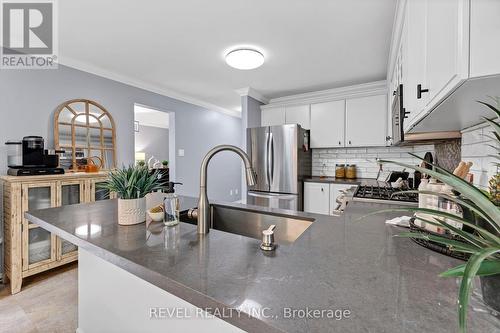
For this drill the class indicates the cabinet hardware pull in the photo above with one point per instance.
(339, 143)
(350, 142)
(420, 91)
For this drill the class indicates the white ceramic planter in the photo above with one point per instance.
(131, 211)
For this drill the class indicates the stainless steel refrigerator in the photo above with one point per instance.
(281, 158)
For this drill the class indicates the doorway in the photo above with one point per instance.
(154, 137)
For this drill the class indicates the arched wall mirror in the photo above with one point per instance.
(83, 129)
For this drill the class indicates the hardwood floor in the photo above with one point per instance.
(47, 303)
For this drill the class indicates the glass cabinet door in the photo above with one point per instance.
(98, 193)
(38, 244)
(70, 193)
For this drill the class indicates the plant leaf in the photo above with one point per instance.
(471, 270)
(487, 268)
(493, 124)
(456, 245)
(494, 109)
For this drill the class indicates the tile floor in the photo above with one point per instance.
(47, 303)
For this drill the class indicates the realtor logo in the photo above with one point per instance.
(28, 34)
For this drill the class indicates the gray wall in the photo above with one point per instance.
(28, 99)
(153, 141)
(250, 117)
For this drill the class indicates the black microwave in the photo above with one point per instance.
(398, 115)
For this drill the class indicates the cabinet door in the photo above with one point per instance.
(446, 46)
(414, 58)
(317, 198)
(68, 193)
(327, 124)
(484, 32)
(273, 116)
(96, 193)
(366, 121)
(335, 192)
(39, 245)
(299, 114)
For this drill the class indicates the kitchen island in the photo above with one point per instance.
(340, 275)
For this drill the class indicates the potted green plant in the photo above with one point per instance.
(483, 244)
(141, 163)
(131, 184)
(164, 163)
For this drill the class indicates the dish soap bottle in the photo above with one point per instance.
(171, 205)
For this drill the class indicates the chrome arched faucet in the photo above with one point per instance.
(203, 204)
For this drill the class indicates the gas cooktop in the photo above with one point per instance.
(385, 194)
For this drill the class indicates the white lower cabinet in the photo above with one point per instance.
(320, 198)
(317, 198)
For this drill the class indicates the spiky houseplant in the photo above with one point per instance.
(483, 245)
(131, 184)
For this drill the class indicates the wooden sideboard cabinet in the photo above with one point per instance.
(30, 249)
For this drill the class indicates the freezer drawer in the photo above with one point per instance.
(271, 200)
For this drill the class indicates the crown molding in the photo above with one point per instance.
(78, 65)
(249, 91)
(360, 90)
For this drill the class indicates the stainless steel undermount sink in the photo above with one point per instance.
(250, 223)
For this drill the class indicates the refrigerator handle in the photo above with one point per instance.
(271, 154)
(268, 135)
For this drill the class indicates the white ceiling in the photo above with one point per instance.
(150, 117)
(178, 47)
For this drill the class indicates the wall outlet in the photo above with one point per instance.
(236, 191)
(181, 152)
(231, 192)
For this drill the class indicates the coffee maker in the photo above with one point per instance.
(28, 157)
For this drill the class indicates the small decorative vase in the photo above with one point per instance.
(490, 287)
(131, 211)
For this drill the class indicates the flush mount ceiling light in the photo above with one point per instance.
(245, 59)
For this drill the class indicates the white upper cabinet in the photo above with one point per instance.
(298, 114)
(484, 37)
(447, 51)
(366, 121)
(414, 57)
(445, 44)
(273, 116)
(324, 114)
(327, 124)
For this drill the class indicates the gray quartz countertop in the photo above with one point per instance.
(387, 284)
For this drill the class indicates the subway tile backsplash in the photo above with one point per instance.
(475, 149)
(324, 159)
